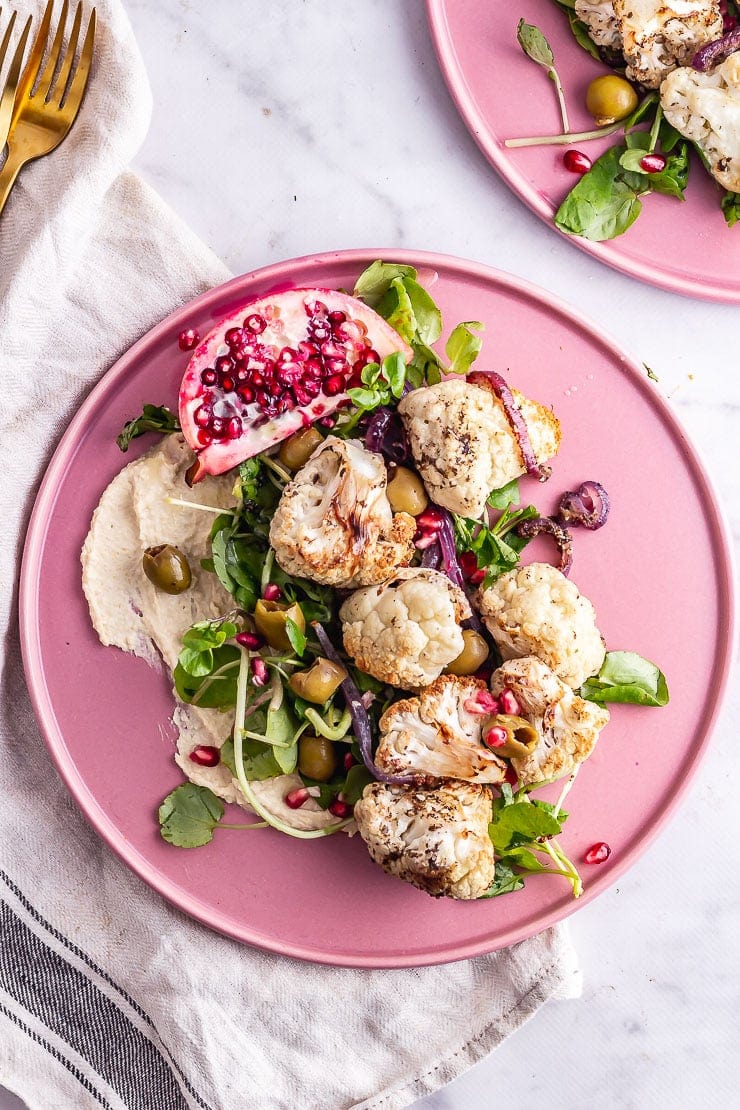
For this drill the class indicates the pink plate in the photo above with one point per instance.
(501, 94)
(105, 715)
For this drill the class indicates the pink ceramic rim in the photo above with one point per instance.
(271, 276)
(478, 126)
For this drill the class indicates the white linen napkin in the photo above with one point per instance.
(107, 995)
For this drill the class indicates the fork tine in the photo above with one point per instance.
(60, 84)
(6, 36)
(76, 91)
(53, 59)
(7, 97)
(35, 58)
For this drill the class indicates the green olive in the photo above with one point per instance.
(317, 758)
(270, 620)
(297, 450)
(167, 567)
(610, 98)
(473, 655)
(406, 492)
(521, 737)
(319, 682)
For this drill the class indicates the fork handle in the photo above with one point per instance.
(13, 166)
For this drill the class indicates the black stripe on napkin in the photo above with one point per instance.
(57, 1056)
(83, 956)
(70, 1004)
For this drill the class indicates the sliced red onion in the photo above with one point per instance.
(713, 52)
(452, 568)
(588, 506)
(385, 436)
(516, 420)
(562, 537)
(361, 726)
(432, 557)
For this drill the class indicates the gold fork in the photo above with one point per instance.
(42, 119)
(7, 93)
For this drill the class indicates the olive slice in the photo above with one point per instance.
(167, 568)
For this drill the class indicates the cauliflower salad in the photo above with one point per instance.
(324, 550)
(672, 83)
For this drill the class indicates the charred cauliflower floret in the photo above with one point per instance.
(406, 631)
(705, 108)
(536, 610)
(334, 524)
(436, 839)
(567, 725)
(599, 17)
(434, 734)
(658, 36)
(463, 444)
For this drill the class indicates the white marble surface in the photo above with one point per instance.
(308, 125)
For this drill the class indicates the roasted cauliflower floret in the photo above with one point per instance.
(334, 524)
(434, 734)
(406, 631)
(436, 839)
(567, 725)
(705, 108)
(658, 36)
(463, 444)
(599, 17)
(536, 610)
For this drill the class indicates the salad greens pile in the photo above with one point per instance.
(607, 199)
(225, 665)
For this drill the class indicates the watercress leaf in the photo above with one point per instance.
(505, 881)
(631, 160)
(188, 816)
(196, 661)
(534, 44)
(394, 372)
(731, 208)
(643, 110)
(426, 367)
(259, 760)
(280, 725)
(364, 398)
(154, 418)
(463, 346)
(426, 313)
(525, 859)
(602, 204)
(370, 373)
(374, 282)
(672, 180)
(626, 677)
(668, 136)
(287, 759)
(520, 823)
(580, 33)
(505, 496)
(250, 478)
(295, 636)
(358, 777)
(396, 308)
(217, 688)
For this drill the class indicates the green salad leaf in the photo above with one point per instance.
(731, 208)
(497, 547)
(627, 677)
(463, 346)
(505, 881)
(154, 418)
(505, 496)
(188, 816)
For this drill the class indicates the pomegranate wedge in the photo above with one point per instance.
(276, 365)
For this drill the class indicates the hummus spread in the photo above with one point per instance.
(129, 612)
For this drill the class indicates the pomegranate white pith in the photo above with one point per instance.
(273, 367)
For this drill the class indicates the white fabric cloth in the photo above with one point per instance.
(107, 995)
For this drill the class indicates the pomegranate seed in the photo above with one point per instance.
(598, 853)
(430, 520)
(370, 355)
(476, 577)
(315, 308)
(249, 640)
(653, 163)
(259, 671)
(311, 387)
(336, 366)
(509, 703)
(339, 808)
(234, 428)
(511, 776)
(271, 592)
(496, 737)
(294, 799)
(187, 339)
(205, 755)
(204, 438)
(202, 416)
(209, 377)
(234, 337)
(349, 761)
(468, 562)
(228, 384)
(333, 385)
(321, 331)
(337, 317)
(255, 323)
(576, 161)
(223, 364)
(328, 421)
(218, 426)
(482, 704)
(246, 394)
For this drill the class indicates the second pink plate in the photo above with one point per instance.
(106, 716)
(687, 248)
